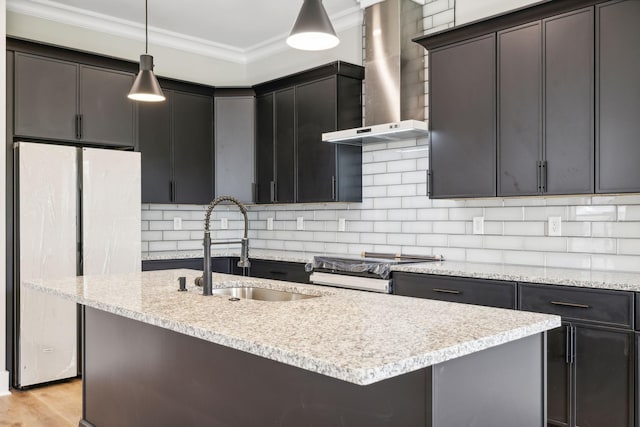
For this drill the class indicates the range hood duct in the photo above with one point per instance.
(394, 76)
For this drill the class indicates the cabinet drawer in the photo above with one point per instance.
(597, 305)
(491, 293)
(279, 270)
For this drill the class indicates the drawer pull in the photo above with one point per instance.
(570, 304)
(446, 291)
(277, 273)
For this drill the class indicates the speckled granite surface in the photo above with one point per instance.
(521, 273)
(253, 253)
(516, 273)
(354, 336)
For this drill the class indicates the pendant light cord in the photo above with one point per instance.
(146, 27)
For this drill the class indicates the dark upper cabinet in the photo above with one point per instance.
(568, 103)
(192, 148)
(618, 96)
(46, 96)
(545, 106)
(176, 142)
(264, 149)
(316, 113)
(462, 80)
(519, 109)
(154, 141)
(292, 162)
(285, 146)
(107, 115)
(61, 100)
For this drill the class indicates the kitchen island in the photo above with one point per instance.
(156, 356)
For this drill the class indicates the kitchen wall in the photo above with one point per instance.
(4, 375)
(598, 232)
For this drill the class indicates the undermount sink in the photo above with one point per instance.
(261, 294)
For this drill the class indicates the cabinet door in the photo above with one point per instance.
(192, 148)
(617, 96)
(519, 109)
(568, 110)
(559, 376)
(264, 148)
(108, 116)
(316, 160)
(154, 141)
(285, 146)
(604, 367)
(462, 119)
(46, 96)
(234, 145)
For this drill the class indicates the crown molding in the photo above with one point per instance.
(53, 11)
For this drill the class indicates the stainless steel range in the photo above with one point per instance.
(371, 272)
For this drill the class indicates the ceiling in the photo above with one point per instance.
(233, 30)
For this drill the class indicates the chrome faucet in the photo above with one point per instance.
(244, 242)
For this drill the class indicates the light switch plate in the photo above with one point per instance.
(177, 223)
(555, 226)
(300, 223)
(478, 225)
(269, 223)
(342, 224)
(224, 224)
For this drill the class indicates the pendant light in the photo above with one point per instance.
(312, 29)
(146, 87)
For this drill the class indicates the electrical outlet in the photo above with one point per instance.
(342, 224)
(270, 224)
(177, 223)
(300, 223)
(555, 226)
(224, 224)
(478, 225)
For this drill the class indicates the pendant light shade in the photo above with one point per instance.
(146, 87)
(312, 29)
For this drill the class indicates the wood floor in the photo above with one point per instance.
(58, 405)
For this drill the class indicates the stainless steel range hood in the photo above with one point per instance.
(394, 76)
(405, 129)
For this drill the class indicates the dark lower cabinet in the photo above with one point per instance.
(492, 293)
(225, 265)
(279, 270)
(590, 379)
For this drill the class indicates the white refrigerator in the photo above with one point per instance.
(78, 213)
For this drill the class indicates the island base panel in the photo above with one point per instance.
(138, 374)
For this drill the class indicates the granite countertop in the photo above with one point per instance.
(521, 273)
(359, 337)
(517, 273)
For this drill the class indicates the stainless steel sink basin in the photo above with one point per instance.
(261, 294)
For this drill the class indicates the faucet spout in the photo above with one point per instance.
(244, 251)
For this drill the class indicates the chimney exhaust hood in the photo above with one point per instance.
(394, 76)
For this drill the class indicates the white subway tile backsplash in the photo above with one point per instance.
(503, 242)
(152, 236)
(615, 263)
(592, 213)
(359, 226)
(529, 228)
(151, 215)
(591, 245)
(387, 203)
(465, 241)
(504, 214)
(373, 215)
(464, 214)
(388, 179)
(387, 227)
(373, 238)
(405, 190)
(628, 213)
(401, 239)
(415, 202)
(432, 214)
(543, 213)
(566, 260)
(546, 244)
(374, 191)
(160, 225)
(483, 255)
(408, 165)
(416, 227)
(175, 235)
(616, 229)
(163, 246)
(189, 245)
(523, 257)
(627, 199)
(629, 247)
(443, 18)
(449, 227)
(402, 214)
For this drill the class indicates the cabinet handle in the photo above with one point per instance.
(333, 188)
(278, 273)
(446, 291)
(80, 126)
(543, 175)
(172, 191)
(538, 177)
(570, 304)
(568, 351)
(77, 124)
(272, 191)
(429, 183)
